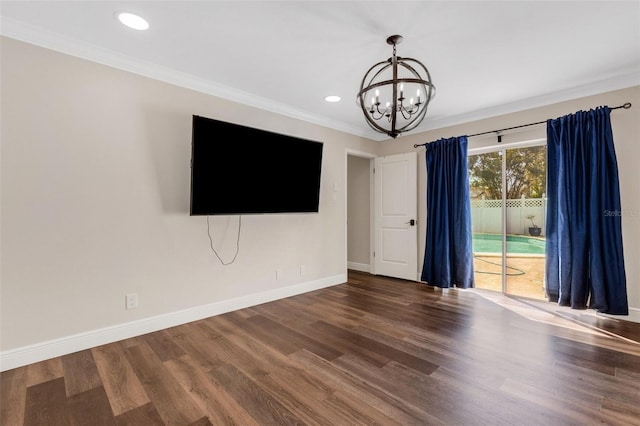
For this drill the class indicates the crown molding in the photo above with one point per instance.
(70, 46)
(621, 81)
(618, 82)
(54, 41)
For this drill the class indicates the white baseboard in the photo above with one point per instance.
(53, 348)
(362, 267)
(634, 315)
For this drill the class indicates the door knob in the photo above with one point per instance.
(412, 222)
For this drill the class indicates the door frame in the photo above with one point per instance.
(362, 154)
(372, 200)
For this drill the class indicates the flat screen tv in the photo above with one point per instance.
(241, 170)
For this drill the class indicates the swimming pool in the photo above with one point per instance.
(517, 244)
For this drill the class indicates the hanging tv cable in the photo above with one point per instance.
(237, 242)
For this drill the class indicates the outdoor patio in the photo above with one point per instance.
(525, 253)
(525, 274)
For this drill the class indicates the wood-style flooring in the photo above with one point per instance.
(372, 351)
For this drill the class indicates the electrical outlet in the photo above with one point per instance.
(278, 274)
(302, 270)
(131, 301)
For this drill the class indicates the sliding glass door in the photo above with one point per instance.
(508, 204)
(485, 190)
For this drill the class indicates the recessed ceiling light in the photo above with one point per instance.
(133, 21)
(332, 98)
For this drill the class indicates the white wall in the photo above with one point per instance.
(626, 132)
(95, 205)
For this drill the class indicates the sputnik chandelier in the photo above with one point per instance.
(398, 103)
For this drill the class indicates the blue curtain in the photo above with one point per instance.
(448, 257)
(585, 264)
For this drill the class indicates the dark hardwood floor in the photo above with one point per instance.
(371, 351)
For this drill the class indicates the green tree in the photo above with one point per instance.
(526, 173)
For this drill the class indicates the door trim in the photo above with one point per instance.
(362, 154)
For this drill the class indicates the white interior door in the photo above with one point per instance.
(395, 211)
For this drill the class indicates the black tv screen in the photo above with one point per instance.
(241, 170)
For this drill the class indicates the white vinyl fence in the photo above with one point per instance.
(486, 215)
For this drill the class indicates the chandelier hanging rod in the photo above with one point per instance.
(626, 105)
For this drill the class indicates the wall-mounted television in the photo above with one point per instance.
(242, 170)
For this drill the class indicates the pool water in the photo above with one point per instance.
(520, 244)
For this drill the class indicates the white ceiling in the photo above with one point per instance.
(485, 57)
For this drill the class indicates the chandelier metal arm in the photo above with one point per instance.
(362, 84)
(388, 82)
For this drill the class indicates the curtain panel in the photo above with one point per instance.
(585, 262)
(448, 259)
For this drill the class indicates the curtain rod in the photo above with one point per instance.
(626, 105)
